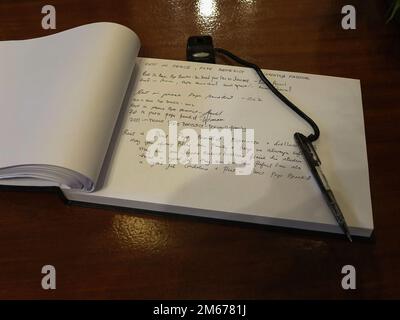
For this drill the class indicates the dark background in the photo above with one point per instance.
(102, 253)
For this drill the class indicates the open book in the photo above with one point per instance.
(76, 109)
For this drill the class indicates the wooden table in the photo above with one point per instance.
(101, 253)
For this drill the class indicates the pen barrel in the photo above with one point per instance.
(335, 208)
(323, 179)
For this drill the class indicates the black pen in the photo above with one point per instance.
(305, 143)
(314, 163)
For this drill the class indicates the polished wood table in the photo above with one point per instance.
(103, 253)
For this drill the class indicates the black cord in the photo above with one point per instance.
(291, 105)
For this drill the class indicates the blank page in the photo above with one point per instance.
(60, 96)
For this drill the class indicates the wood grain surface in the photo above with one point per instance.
(102, 253)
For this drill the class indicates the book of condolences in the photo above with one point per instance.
(81, 110)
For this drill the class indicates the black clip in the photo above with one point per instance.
(200, 49)
(307, 149)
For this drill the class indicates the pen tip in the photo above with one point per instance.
(349, 237)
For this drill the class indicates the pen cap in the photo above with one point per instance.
(307, 149)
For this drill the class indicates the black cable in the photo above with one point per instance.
(291, 105)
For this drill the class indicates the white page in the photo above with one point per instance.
(334, 103)
(60, 96)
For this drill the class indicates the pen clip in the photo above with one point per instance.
(307, 149)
